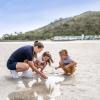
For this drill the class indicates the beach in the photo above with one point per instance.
(83, 85)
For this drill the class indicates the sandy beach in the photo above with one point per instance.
(84, 85)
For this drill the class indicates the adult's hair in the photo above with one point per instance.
(38, 44)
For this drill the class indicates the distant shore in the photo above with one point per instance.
(45, 40)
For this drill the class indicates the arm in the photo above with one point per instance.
(31, 64)
(42, 68)
(36, 64)
(60, 66)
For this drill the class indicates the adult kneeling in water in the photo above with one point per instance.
(16, 63)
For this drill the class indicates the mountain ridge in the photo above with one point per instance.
(87, 23)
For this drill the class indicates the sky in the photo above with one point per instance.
(26, 15)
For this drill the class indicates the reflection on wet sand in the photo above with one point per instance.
(38, 89)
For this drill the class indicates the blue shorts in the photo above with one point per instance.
(11, 65)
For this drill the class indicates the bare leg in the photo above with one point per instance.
(20, 67)
(70, 70)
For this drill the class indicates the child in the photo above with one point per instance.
(66, 63)
(42, 62)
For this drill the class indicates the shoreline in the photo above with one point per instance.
(43, 40)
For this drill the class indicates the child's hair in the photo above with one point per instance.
(50, 60)
(63, 51)
(38, 44)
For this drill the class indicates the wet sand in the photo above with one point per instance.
(84, 85)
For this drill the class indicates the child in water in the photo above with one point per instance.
(42, 62)
(66, 63)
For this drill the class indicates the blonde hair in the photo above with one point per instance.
(63, 51)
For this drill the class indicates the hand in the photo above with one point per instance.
(31, 64)
(44, 76)
(40, 73)
(56, 68)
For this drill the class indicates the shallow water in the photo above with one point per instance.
(38, 89)
(84, 85)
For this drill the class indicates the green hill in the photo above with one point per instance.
(85, 23)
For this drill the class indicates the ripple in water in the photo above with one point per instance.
(38, 89)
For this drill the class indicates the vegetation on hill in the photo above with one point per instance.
(85, 23)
